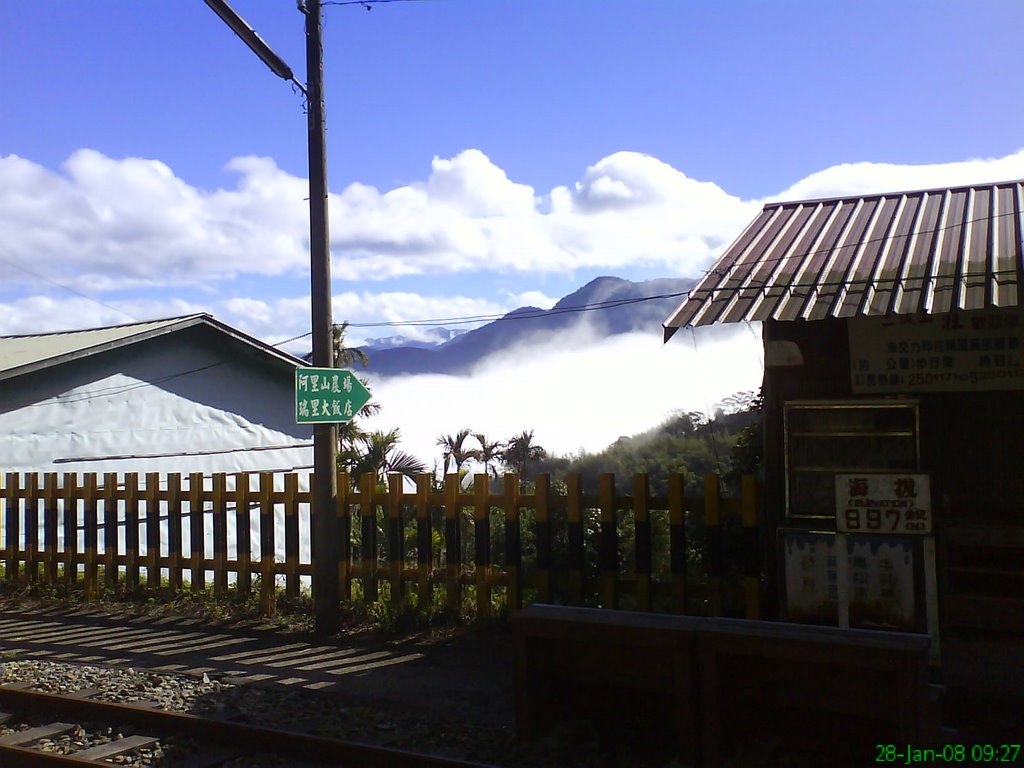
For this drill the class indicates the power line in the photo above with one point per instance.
(531, 315)
(859, 243)
(468, 319)
(367, 3)
(67, 288)
(120, 389)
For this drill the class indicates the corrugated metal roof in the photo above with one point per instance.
(23, 354)
(929, 251)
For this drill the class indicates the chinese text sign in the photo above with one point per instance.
(883, 503)
(950, 352)
(327, 395)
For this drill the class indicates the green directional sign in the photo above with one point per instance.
(327, 395)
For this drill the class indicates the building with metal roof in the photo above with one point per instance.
(182, 394)
(893, 337)
(30, 352)
(930, 251)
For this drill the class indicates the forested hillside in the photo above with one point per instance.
(728, 443)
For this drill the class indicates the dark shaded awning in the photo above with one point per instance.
(930, 251)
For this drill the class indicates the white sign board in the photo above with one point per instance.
(879, 580)
(883, 503)
(953, 352)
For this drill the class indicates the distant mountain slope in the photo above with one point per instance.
(438, 337)
(464, 351)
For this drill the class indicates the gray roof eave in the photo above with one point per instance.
(170, 327)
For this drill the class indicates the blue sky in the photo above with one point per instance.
(482, 153)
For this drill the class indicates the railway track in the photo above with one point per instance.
(216, 742)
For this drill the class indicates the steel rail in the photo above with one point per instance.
(253, 738)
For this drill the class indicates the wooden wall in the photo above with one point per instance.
(972, 444)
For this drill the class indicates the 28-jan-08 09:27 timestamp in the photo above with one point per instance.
(949, 754)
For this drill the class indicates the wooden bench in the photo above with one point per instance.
(710, 686)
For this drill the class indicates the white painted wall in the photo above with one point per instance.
(173, 395)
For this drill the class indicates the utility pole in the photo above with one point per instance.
(324, 541)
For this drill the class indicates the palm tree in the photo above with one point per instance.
(521, 452)
(379, 454)
(345, 356)
(454, 449)
(489, 452)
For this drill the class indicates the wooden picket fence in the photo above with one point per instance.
(449, 543)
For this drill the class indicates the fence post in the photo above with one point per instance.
(453, 541)
(574, 536)
(542, 518)
(751, 559)
(368, 528)
(12, 520)
(482, 543)
(90, 521)
(197, 531)
(514, 538)
(268, 577)
(131, 531)
(174, 552)
(713, 543)
(424, 541)
(32, 526)
(608, 547)
(642, 520)
(677, 539)
(243, 533)
(153, 530)
(396, 547)
(50, 527)
(345, 534)
(291, 534)
(110, 525)
(220, 534)
(69, 496)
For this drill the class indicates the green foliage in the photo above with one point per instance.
(748, 451)
(685, 442)
(377, 453)
(522, 454)
(454, 449)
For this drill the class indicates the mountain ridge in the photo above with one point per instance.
(624, 306)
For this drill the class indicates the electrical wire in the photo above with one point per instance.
(859, 243)
(793, 291)
(366, 3)
(467, 319)
(120, 389)
(67, 288)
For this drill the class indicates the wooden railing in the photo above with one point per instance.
(448, 543)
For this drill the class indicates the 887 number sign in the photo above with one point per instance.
(883, 503)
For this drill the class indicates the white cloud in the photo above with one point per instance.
(43, 314)
(531, 299)
(102, 224)
(870, 178)
(116, 224)
(283, 318)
